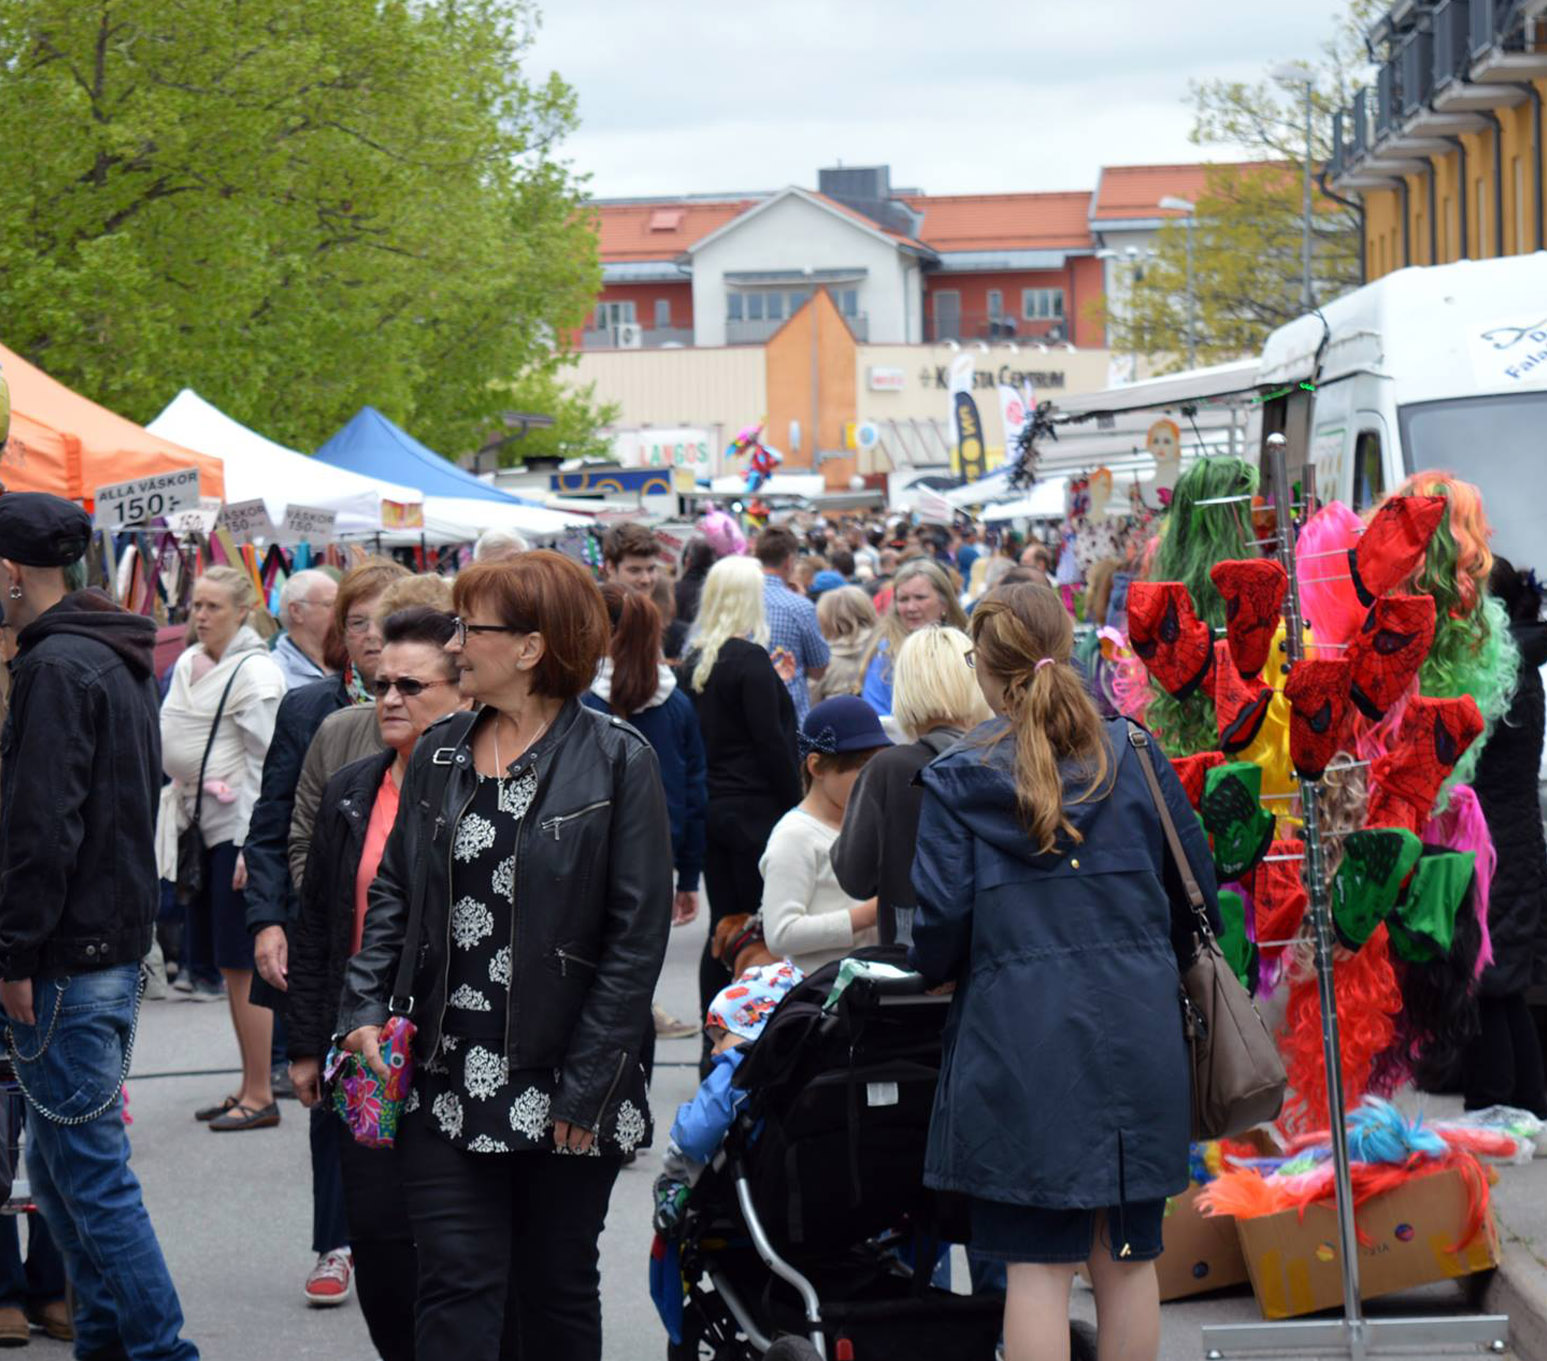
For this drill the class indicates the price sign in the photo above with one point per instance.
(120, 504)
(248, 520)
(308, 524)
(200, 520)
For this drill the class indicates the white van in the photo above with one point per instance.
(1440, 367)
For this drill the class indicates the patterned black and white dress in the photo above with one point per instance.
(466, 1090)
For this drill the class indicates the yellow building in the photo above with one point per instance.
(1446, 150)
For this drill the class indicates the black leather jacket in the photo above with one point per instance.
(593, 893)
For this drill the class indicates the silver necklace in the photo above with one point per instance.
(499, 766)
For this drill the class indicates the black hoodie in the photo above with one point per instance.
(80, 777)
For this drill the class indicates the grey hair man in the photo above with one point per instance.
(306, 611)
(496, 545)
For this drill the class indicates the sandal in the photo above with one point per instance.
(241, 1117)
(209, 1113)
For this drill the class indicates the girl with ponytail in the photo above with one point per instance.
(1047, 897)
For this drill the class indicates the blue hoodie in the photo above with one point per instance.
(1065, 1081)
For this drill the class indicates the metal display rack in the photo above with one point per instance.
(1353, 1334)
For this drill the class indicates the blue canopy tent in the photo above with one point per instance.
(372, 445)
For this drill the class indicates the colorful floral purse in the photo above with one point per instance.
(370, 1107)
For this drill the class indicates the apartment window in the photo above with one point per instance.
(798, 299)
(775, 306)
(995, 304)
(663, 314)
(733, 307)
(611, 314)
(754, 306)
(848, 301)
(1042, 304)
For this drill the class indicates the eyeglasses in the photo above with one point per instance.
(463, 628)
(357, 624)
(407, 686)
(970, 656)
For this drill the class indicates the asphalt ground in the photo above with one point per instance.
(234, 1210)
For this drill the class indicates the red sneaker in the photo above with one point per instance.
(332, 1279)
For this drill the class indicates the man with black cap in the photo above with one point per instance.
(78, 897)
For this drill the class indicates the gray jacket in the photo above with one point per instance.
(343, 737)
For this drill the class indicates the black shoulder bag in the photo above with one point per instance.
(190, 841)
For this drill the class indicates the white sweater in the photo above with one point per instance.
(805, 913)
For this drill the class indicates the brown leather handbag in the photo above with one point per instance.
(1238, 1079)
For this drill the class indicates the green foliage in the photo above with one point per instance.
(577, 420)
(1247, 233)
(293, 208)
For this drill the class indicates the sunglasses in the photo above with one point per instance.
(407, 686)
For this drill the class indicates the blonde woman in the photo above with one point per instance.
(847, 618)
(748, 724)
(223, 700)
(935, 700)
(1046, 895)
(922, 595)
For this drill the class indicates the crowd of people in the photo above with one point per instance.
(444, 799)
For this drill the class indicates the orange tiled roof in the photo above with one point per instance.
(1135, 191)
(1003, 221)
(661, 230)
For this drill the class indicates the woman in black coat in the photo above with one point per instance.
(530, 837)
(416, 684)
(1045, 895)
(1504, 1063)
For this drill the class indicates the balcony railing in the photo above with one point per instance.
(756, 332)
(1338, 158)
(650, 337)
(1490, 23)
(994, 326)
(1385, 99)
(1452, 35)
(1417, 70)
(1361, 138)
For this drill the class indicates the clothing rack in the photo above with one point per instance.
(1353, 1335)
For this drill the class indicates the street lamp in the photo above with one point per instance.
(1181, 205)
(1298, 73)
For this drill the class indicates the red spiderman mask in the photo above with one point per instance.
(1434, 734)
(1393, 544)
(1168, 636)
(1191, 770)
(1240, 705)
(1317, 692)
(1253, 591)
(1388, 650)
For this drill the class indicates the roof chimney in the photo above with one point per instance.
(867, 189)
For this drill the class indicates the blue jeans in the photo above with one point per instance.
(38, 1280)
(125, 1304)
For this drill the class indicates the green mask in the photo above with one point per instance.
(1235, 818)
(1365, 887)
(1423, 928)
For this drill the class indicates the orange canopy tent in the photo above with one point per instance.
(64, 443)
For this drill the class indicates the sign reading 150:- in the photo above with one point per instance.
(145, 499)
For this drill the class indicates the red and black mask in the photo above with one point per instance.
(1317, 692)
(1386, 653)
(1394, 543)
(1434, 734)
(1253, 591)
(1240, 705)
(1168, 636)
(1191, 770)
(1278, 895)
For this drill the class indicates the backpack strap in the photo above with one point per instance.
(449, 738)
(214, 727)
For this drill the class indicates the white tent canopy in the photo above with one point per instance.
(1043, 500)
(259, 468)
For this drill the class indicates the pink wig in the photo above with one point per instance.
(1462, 827)
(1327, 596)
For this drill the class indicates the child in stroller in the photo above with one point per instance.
(812, 1220)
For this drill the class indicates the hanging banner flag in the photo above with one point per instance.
(1016, 411)
(966, 424)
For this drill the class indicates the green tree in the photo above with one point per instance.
(293, 208)
(1247, 232)
(576, 431)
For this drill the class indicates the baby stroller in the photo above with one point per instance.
(814, 1222)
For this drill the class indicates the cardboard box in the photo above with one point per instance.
(1202, 1252)
(1294, 1262)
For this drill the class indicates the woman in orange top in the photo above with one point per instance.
(416, 684)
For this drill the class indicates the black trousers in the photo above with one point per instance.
(736, 836)
(1504, 1061)
(489, 1226)
(386, 1265)
(327, 1136)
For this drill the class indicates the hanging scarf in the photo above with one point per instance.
(355, 688)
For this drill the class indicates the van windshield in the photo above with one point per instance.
(1500, 444)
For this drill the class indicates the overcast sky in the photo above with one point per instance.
(957, 96)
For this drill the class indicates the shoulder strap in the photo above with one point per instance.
(198, 798)
(1139, 740)
(447, 740)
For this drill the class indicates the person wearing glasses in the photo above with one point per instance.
(271, 900)
(533, 832)
(306, 611)
(416, 684)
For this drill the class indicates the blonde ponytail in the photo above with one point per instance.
(1023, 636)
